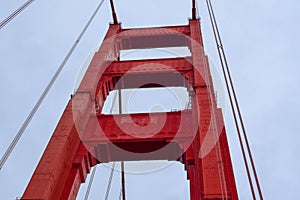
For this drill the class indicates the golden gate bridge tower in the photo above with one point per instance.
(86, 137)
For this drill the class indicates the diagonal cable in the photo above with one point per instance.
(15, 13)
(45, 92)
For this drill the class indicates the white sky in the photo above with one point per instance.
(261, 40)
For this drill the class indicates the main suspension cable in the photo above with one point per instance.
(45, 92)
(238, 111)
(114, 15)
(194, 16)
(15, 13)
(231, 103)
(226, 72)
(90, 184)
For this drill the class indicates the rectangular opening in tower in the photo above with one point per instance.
(155, 53)
(147, 100)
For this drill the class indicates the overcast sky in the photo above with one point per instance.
(261, 39)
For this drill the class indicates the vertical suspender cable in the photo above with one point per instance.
(120, 195)
(113, 166)
(90, 183)
(15, 13)
(122, 162)
(226, 72)
(113, 103)
(109, 181)
(123, 180)
(45, 92)
(120, 101)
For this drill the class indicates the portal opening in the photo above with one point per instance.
(168, 181)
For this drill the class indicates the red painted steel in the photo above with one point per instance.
(195, 136)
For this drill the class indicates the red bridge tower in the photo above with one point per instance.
(195, 136)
